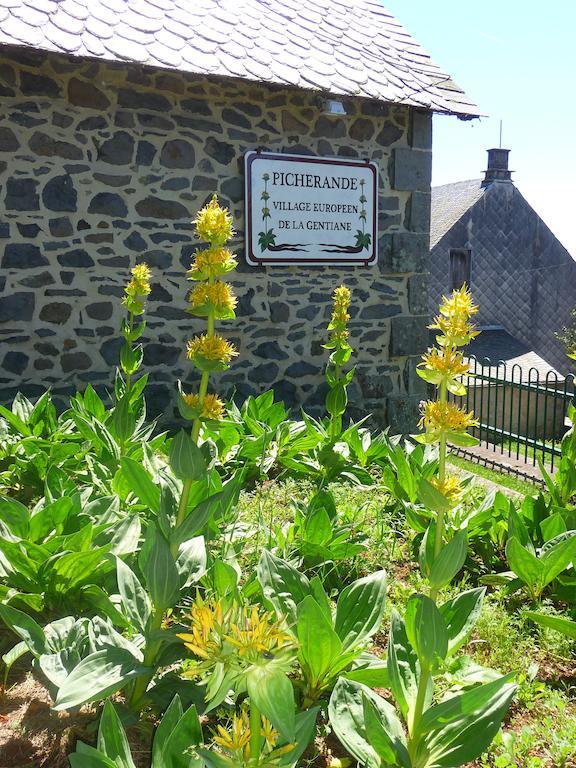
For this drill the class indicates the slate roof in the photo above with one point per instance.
(449, 203)
(498, 345)
(341, 47)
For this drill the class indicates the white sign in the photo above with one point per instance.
(310, 210)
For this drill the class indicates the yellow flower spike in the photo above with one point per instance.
(137, 289)
(217, 297)
(237, 737)
(214, 223)
(442, 417)
(210, 353)
(212, 407)
(340, 317)
(450, 487)
(211, 263)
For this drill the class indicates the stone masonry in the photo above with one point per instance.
(104, 165)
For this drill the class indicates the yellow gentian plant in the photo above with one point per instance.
(134, 300)
(337, 398)
(209, 352)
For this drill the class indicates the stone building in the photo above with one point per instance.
(119, 120)
(485, 233)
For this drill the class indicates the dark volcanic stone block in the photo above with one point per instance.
(59, 194)
(177, 153)
(14, 362)
(17, 306)
(118, 150)
(21, 195)
(55, 312)
(23, 256)
(108, 204)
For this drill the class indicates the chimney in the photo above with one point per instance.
(497, 167)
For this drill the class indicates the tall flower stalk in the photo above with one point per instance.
(213, 299)
(444, 366)
(135, 295)
(444, 422)
(337, 398)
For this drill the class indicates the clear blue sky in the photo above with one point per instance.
(517, 60)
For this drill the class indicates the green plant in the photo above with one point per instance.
(177, 734)
(338, 381)
(456, 729)
(329, 643)
(535, 568)
(57, 555)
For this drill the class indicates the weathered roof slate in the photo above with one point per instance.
(449, 203)
(341, 47)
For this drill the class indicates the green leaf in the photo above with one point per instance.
(460, 615)
(11, 656)
(431, 497)
(97, 676)
(305, 731)
(272, 692)
(191, 561)
(524, 564)
(139, 481)
(112, 739)
(459, 729)
(403, 667)
(123, 420)
(88, 757)
(71, 570)
(426, 630)
(557, 623)
(16, 516)
(159, 569)
(557, 557)
(282, 585)
(135, 601)
(449, 561)
(360, 609)
(186, 734)
(26, 629)
(336, 400)
(385, 734)
(15, 421)
(347, 718)
(186, 459)
(169, 721)
(319, 644)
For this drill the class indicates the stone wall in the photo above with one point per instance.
(104, 165)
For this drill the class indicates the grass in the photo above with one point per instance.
(499, 478)
(541, 730)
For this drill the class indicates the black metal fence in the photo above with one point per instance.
(522, 412)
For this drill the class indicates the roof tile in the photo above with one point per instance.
(343, 47)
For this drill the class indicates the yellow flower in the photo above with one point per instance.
(212, 407)
(450, 488)
(216, 296)
(137, 289)
(237, 738)
(257, 633)
(439, 417)
(454, 319)
(205, 638)
(212, 262)
(341, 298)
(214, 223)
(446, 362)
(210, 353)
(458, 304)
